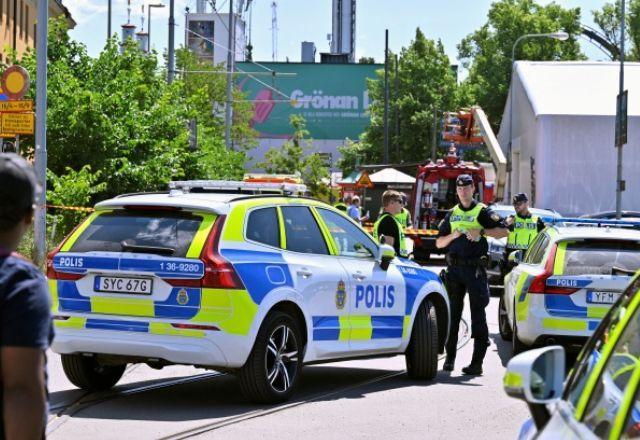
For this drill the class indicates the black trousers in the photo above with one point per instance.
(461, 280)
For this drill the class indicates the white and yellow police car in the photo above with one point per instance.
(565, 283)
(212, 275)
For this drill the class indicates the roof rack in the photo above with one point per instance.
(597, 222)
(238, 187)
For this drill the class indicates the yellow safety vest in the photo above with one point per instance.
(464, 220)
(403, 246)
(403, 217)
(524, 231)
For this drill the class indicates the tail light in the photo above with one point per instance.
(53, 274)
(218, 272)
(539, 283)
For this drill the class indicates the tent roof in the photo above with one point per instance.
(585, 88)
(391, 175)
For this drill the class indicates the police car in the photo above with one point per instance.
(565, 283)
(601, 396)
(212, 275)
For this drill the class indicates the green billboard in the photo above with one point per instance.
(332, 98)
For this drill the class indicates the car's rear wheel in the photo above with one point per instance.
(271, 372)
(503, 321)
(517, 345)
(88, 374)
(422, 354)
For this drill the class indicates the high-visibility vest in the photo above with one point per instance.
(403, 245)
(403, 217)
(341, 206)
(464, 220)
(524, 232)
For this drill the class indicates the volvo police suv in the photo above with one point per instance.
(213, 275)
(565, 283)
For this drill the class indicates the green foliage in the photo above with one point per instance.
(608, 21)
(353, 154)
(366, 60)
(291, 159)
(487, 51)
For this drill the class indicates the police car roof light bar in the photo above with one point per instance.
(595, 221)
(234, 186)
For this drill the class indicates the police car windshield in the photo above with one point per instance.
(141, 231)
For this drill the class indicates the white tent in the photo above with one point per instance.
(563, 135)
(391, 175)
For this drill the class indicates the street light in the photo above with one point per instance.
(562, 36)
(152, 5)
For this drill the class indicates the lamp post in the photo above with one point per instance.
(152, 5)
(562, 36)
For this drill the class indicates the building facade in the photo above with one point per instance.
(18, 24)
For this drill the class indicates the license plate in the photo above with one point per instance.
(601, 297)
(136, 286)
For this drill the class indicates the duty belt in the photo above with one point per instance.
(453, 260)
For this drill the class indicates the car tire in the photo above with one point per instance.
(273, 368)
(517, 345)
(88, 374)
(506, 333)
(422, 353)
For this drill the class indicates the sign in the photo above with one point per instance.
(15, 82)
(332, 98)
(16, 106)
(364, 180)
(621, 119)
(17, 123)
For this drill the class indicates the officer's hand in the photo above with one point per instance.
(473, 234)
(456, 233)
(509, 221)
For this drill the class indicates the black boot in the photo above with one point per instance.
(473, 369)
(448, 363)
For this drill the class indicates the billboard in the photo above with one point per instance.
(200, 37)
(333, 98)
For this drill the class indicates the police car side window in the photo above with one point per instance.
(262, 226)
(351, 241)
(536, 251)
(302, 232)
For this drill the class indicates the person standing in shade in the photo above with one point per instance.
(355, 211)
(462, 233)
(25, 327)
(386, 229)
(344, 204)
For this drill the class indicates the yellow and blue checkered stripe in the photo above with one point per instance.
(357, 327)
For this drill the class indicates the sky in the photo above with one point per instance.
(310, 20)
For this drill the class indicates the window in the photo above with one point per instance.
(302, 231)
(262, 226)
(600, 257)
(538, 248)
(351, 240)
(607, 395)
(161, 229)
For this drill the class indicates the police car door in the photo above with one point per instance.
(319, 279)
(376, 297)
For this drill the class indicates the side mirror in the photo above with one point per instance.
(536, 376)
(515, 257)
(386, 253)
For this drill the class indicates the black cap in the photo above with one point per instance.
(464, 180)
(18, 187)
(520, 197)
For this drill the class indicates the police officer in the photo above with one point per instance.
(344, 204)
(463, 232)
(404, 216)
(523, 226)
(387, 225)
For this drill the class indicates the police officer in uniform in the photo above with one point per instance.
(523, 226)
(404, 216)
(463, 232)
(344, 204)
(387, 225)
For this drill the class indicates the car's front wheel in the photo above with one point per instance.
(272, 370)
(88, 374)
(422, 354)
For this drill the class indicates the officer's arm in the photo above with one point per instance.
(497, 232)
(444, 241)
(493, 224)
(23, 389)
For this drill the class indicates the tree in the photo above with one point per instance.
(487, 51)
(608, 21)
(426, 83)
(366, 60)
(291, 159)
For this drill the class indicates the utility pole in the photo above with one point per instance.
(15, 24)
(621, 118)
(385, 157)
(228, 111)
(434, 135)
(40, 225)
(171, 49)
(108, 20)
(397, 118)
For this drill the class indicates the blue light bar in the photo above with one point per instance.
(594, 221)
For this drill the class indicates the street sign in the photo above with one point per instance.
(16, 106)
(17, 123)
(15, 82)
(621, 119)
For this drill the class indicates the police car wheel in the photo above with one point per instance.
(517, 345)
(88, 374)
(271, 372)
(503, 321)
(422, 354)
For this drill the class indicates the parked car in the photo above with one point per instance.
(601, 396)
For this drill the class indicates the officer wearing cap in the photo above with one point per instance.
(523, 227)
(462, 233)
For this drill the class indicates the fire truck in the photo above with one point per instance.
(434, 192)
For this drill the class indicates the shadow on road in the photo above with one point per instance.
(502, 347)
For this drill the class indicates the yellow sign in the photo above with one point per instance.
(364, 180)
(15, 82)
(16, 106)
(17, 123)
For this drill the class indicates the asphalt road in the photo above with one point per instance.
(355, 399)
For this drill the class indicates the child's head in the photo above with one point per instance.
(18, 188)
